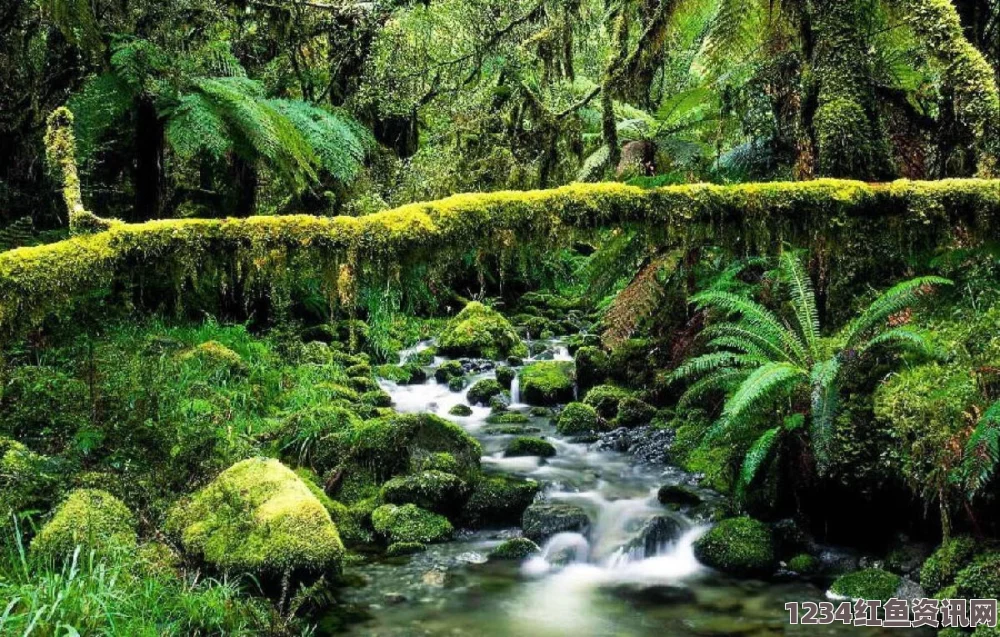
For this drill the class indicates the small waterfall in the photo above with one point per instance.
(515, 390)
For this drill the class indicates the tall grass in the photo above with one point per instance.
(120, 594)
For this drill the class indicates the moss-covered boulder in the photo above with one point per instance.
(740, 546)
(804, 564)
(27, 480)
(517, 548)
(482, 391)
(505, 376)
(382, 448)
(591, 367)
(542, 520)
(547, 383)
(258, 517)
(405, 548)
(507, 418)
(462, 411)
(311, 435)
(447, 371)
(605, 399)
(498, 501)
(409, 523)
(431, 489)
(481, 332)
(870, 583)
(577, 419)
(529, 446)
(944, 564)
(981, 578)
(678, 494)
(633, 412)
(92, 519)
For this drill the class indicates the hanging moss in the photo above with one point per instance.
(267, 255)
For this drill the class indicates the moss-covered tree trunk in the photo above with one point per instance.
(849, 137)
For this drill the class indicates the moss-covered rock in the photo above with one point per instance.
(312, 435)
(258, 517)
(498, 501)
(528, 446)
(591, 367)
(376, 397)
(577, 419)
(633, 412)
(507, 418)
(517, 548)
(457, 384)
(214, 357)
(542, 520)
(27, 480)
(741, 546)
(804, 564)
(431, 489)
(405, 374)
(482, 391)
(605, 399)
(409, 523)
(90, 518)
(678, 494)
(461, 411)
(405, 548)
(547, 383)
(981, 578)
(944, 564)
(481, 332)
(505, 376)
(448, 370)
(349, 527)
(336, 391)
(870, 583)
(364, 385)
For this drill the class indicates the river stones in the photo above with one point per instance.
(543, 520)
(655, 533)
(678, 494)
(498, 501)
(517, 548)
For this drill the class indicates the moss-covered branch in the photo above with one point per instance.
(39, 282)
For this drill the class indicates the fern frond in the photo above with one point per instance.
(100, 106)
(638, 300)
(748, 337)
(340, 142)
(196, 126)
(803, 300)
(902, 336)
(763, 384)
(724, 380)
(825, 401)
(758, 457)
(701, 365)
(896, 299)
(982, 451)
(756, 316)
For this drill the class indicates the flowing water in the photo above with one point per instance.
(609, 582)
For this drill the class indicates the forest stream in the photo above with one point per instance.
(629, 571)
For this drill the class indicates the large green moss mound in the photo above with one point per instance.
(258, 517)
(741, 546)
(940, 569)
(870, 583)
(498, 501)
(576, 419)
(479, 331)
(547, 383)
(92, 519)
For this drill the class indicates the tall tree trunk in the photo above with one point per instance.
(850, 139)
(148, 175)
(245, 182)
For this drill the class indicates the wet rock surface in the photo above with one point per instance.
(647, 444)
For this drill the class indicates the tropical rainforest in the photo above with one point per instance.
(496, 317)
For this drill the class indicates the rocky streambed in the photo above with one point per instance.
(612, 535)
